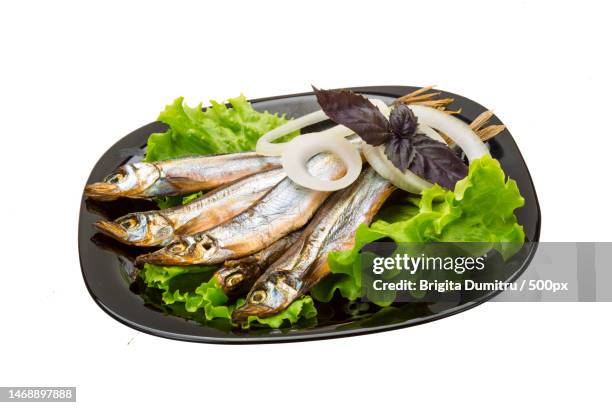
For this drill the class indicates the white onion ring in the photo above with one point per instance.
(376, 157)
(265, 148)
(382, 107)
(296, 153)
(302, 148)
(455, 128)
(408, 181)
(429, 132)
(428, 117)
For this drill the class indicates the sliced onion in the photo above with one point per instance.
(455, 128)
(302, 148)
(296, 153)
(428, 118)
(429, 132)
(385, 110)
(408, 181)
(265, 148)
(376, 157)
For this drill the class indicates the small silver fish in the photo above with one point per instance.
(236, 276)
(286, 208)
(178, 176)
(157, 228)
(305, 263)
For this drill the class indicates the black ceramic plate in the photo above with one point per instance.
(107, 269)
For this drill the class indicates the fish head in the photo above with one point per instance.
(129, 180)
(187, 250)
(236, 278)
(142, 229)
(268, 296)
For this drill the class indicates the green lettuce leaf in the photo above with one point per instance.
(192, 131)
(301, 309)
(192, 285)
(173, 201)
(480, 209)
(217, 130)
(160, 277)
(199, 291)
(345, 269)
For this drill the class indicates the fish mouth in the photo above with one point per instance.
(111, 229)
(161, 257)
(155, 258)
(242, 313)
(248, 272)
(182, 252)
(101, 191)
(222, 280)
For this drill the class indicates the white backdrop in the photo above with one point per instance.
(77, 76)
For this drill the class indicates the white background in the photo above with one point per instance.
(75, 77)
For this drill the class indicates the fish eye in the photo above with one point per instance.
(177, 248)
(129, 223)
(116, 177)
(258, 296)
(234, 279)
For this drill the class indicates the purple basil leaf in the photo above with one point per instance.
(400, 151)
(435, 161)
(356, 113)
(403, 121)
(432, 160)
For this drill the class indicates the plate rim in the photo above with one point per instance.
(383, 90)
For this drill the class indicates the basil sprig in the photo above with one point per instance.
(404, 146)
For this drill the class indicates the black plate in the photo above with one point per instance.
(106, 273)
